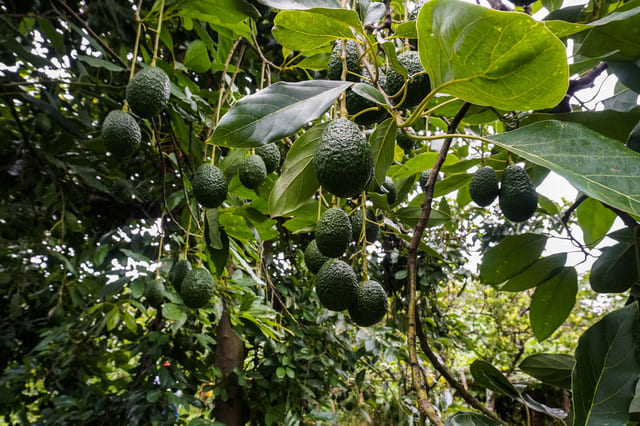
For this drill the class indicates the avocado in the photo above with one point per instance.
(120, 133)
(252, 171)
(372, 229)
(424, 177)
(313, 258)
(370, 305)
(389, 188)
(148, 92)
(178, 272)
(342, 160)
(333, 232)
(270, 154)
(197, 288)
(404, 141)
(483, 187)
(518, 198)
(336, 285)
(154, 292)
(356, 103)
(334, 69)
(418, 85)
(209, 185)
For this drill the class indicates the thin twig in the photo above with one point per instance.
(583, 82)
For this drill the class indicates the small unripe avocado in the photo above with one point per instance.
(154, 292)
(270, 155)
(336, 285)
(334, 69)
(252, 171)
(120, 133)
(148, 92)
(209, 185)
(424, 177)
(404, 141)
(333, 232)
(178, 272)
(518, 198)
(371, 304)
(313, 258)
(418, 85)
(372, 229)
(197, 288)
(389, 188)
(483, 187)
(342, 160)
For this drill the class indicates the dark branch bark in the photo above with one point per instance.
(583, 82)
(498, 5)
(387, 19)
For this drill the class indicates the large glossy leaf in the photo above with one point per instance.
(469, 418)
(552, 303)
(275, 112)
(301, 4)
(383, 142)
(507, 60)
(197, 57)
(418, 163)
(595, 220)
(553, 369)
(607, 369)
(298, 181)
(309, 29)
(599, 121)
(615, 269)
(618, 33)
(488, 376)
(539, 272)
(596, 165)
(628, 72)
(510, 257)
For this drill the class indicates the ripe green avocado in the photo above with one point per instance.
(313, 258)
(178, 272)
(336, 285)
(342, 160)
(418, 85)
(197, 288)
(483, 187)
(270, 154)
(333, 232)
(372, 229)
(370, 305)
(518, 198)
(252, 171)
(209, 186)
(356, 103)
(120, 133)
(154, 292)
(334, 69)
(148, 92)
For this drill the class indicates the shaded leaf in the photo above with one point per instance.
(595, 220)
(487, 57)
(552, 303)
(469, 418)
(607, 369)
(418, 163)
(382, 142)
(301, 4)
(100, 63)
(275, 112)
(488, 376)
(537, 273)
(510, 257)
(596, 165)
(553, 369)
(615, 269)
(197, 57)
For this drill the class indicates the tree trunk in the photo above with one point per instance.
(230, 407)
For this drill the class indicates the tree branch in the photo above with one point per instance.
(583, 82)
(423, 402)
(444, 371)
(498, 5)
(387, 19)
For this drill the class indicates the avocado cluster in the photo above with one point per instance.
(356, 104)
(352, 59)
(516, 194)
(417, 83)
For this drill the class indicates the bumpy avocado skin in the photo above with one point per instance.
(336, 285)
(120, 133)
(372, 229)
(342, 160)
(197, 288)
(333, 232)
(178, 272)
(313, 258)
(518, 198)
(334, 69)
(148, 92)
(270, 154)
(252, 171)
(418, 85)
(209, 186)
(483, 187)
(356, 103)
(371, 304)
